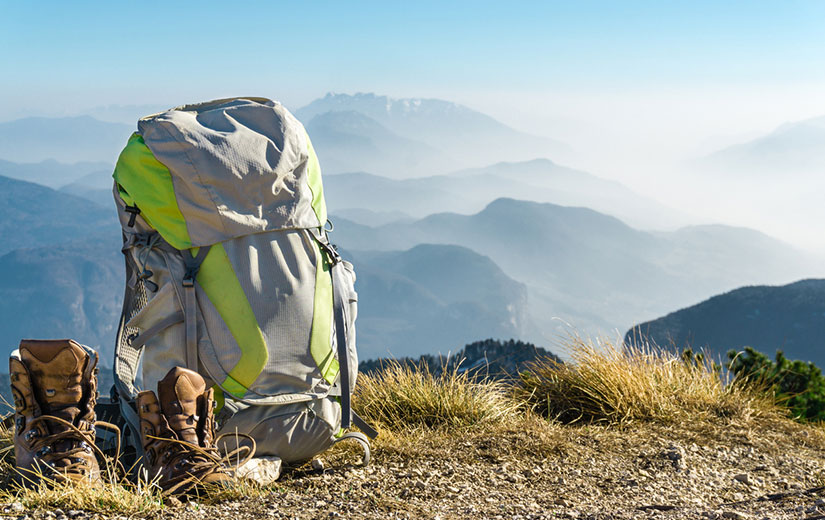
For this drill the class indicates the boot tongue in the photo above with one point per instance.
(56, 370)
(178, 394)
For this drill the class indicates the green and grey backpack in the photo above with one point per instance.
(229, 272)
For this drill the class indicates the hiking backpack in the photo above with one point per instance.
(230, 272)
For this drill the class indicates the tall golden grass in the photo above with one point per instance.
(401, 396)
(603, 382)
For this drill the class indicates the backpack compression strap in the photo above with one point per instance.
(339, 310)
(190, 309)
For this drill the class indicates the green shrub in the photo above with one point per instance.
(798, 385)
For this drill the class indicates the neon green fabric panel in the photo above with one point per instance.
(219, 398)
(147, 182)
(219, 281)
(320, 338)
(319, 205)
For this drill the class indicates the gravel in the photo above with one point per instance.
(718, 471)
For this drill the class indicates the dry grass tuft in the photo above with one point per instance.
(403, 396)
(605, 383)
(116, 495)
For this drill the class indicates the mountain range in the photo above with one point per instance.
(433, 298)
(66, 139)
(64, 278)
(792, 148)
(789, 317)
(68, 290)
(55, 174)
(470, 190)
(32, 215)
(437, 136)
(75, 290)
(363, 132)
(592, 270)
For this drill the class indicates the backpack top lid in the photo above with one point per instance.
(206, 173)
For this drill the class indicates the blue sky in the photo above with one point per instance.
(86, 53)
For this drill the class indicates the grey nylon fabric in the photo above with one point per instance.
(294, 432)
(239, 166)
(277, 273)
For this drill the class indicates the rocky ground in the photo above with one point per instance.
(765, 469)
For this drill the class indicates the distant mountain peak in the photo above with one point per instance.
(792, 148)
(375, 105)
(463, 136)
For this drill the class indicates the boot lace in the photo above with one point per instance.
(196, 463)
(83, 441)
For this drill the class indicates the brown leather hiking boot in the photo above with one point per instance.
(54, 383)
(178, 434)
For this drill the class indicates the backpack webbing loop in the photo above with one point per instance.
(361, 439)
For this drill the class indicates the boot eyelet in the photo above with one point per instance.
(31, 434)
(45, 450)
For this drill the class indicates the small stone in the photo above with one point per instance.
(173, 502)
(674, 453)
(15, 507)
(734, 515)
(263, 470)
(317, 464)
(562, 502)
(744, 478)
